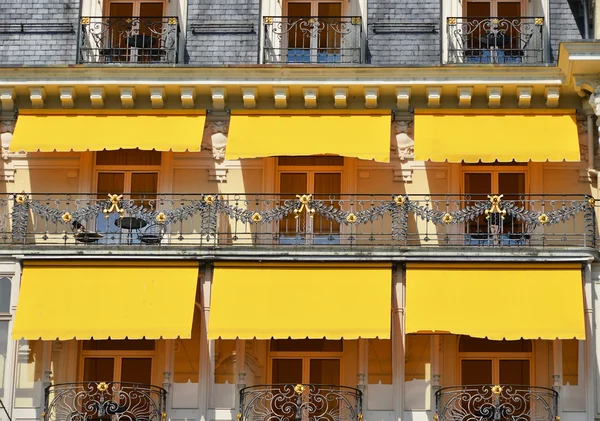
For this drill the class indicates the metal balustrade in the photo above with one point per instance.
(300, 402)
(496, 402)
(129, 40)
(495, 40)
(312, 39)
(104, 401)
(303, 220)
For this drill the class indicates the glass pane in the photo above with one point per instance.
(121, 10)
(478, 186)
(119, 345)
(287, 371)
(136, 370)
(380, 361)
(514, 372)
(98, 369)
(330, 37)
(5, 286)
(512, 186)
(306, 345)
(151, 10)
(292, 184)
(3, 351)
(298, 36)
(143, 188)
(570, 361)
(479, 9)
(311, 161)
(110, 183)
(324, 371)
(509, 9)
(327, 188)
(128, 157)
(476, 372)
(469, 344)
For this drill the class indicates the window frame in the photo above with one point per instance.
(117, 356)
(494, 6)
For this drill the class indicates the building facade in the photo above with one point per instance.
(299, 210)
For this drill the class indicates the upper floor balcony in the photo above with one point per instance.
(95, 400)
(129, 40)
(312, 40)
(304, 220)
(495, 40)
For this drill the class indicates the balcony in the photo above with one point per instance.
(500, 402)
(494, 40)
(312, 40)
(129, 40)
(104, 400)
(308, 402)
(303, 220)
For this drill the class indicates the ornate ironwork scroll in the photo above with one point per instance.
(494, 40)
(113, 39)
(497, 403)
(104, 400)
(309, 402)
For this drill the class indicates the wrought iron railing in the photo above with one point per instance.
(224, 220)
(133, 40)
(104, 401)
(297, 402)
(493, 40)
(497, 403)
(312, 39)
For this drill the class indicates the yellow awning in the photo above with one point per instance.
(488, 137)
(496, 301)
(47, 132)
(300, 301)
(364, 136)
(66, 300)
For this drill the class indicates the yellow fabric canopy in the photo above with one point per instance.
(47, 132)
(364, 136)
(496, 301)
(66, 300)
(471, 137)
(300, 301)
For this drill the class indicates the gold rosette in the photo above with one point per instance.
(66, 217)
(299, 389)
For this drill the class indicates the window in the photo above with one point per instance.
(486, 362)
(135, 30)
(321, 177)
(496, 32)
(128, 361)
(315, 361)
(479, 182)
(313, 31)
(132, 173)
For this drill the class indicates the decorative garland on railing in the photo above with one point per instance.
(210, 207)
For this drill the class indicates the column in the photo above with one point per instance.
(590, 339)
(398, 340)
(207, 348)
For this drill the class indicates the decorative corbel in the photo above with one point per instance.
(67, 96)
(464, 94)
(402, 99)
(434, 97)
(280, 96)
(340, 96)
(127, 96)
(37, 96)
(218, 95)
(7, 98)
(552, 97)
(97, 97)
(215, 141)
(310, 97)
(494, 96)
(371, 96)
(157, 97)
(188, 96)
(249, 96)
(524, 96)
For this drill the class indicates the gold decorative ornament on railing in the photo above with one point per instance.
(299, 389)
(495, 201)
(304, 201)
(114, 200)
